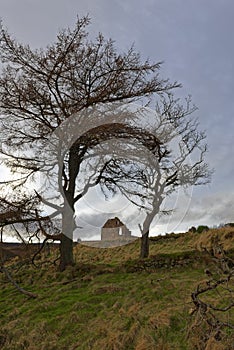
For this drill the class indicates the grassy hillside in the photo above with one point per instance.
(110, 300)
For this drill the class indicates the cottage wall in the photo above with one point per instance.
(114, 229)
(109, 233)
(126, 232)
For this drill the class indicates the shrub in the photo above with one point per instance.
(202, 228)
(229, 224)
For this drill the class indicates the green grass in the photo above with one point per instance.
(107, 302)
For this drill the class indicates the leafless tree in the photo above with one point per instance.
(42, 89)
(15, 212)
(182, 162)
(151, 177)
(18, 218)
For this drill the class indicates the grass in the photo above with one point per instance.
(105, 301)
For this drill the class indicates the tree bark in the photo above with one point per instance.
(66, 243)
(145, 245)
(66, 252)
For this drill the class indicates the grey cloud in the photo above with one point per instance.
(194, 38)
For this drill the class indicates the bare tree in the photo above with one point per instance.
(42, 89)
(179, 162)
(18, 218)
(19, 211)
(182, 162)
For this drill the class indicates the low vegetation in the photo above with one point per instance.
(111, 300)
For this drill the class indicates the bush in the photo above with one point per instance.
(192, 229)
(202, 228)
(229, 224)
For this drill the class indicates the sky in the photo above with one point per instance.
(194, 40)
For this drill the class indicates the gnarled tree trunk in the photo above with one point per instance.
(68, 225)
(145, 245)
(66, 252)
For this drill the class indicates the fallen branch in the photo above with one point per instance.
(210, 319)
(20, 289)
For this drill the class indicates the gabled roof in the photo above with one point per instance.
(112, 223)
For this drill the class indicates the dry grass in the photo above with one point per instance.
(172, 243)
(98, 304)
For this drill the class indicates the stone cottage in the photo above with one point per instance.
(115, 229)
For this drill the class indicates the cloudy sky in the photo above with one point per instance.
(194, 39)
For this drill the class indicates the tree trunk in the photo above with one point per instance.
(66, 252)
(145, 245)
(66, 244)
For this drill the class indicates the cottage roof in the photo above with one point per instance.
(112, 223)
